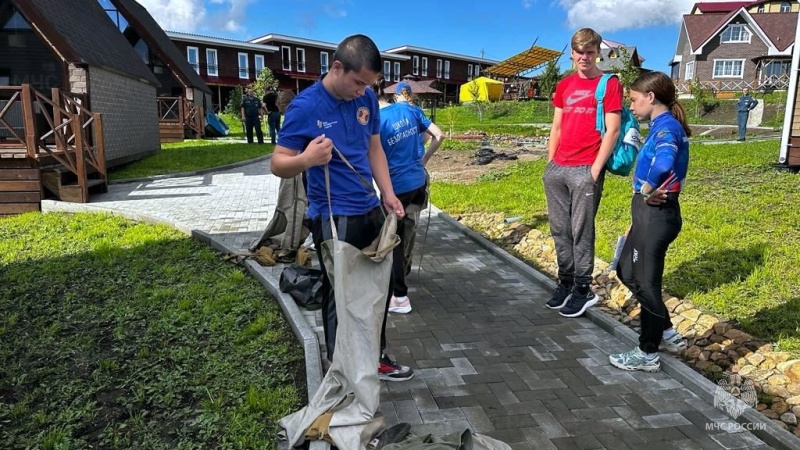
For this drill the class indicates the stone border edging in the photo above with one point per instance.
(193, 173)
(301, 328)
(771, 434)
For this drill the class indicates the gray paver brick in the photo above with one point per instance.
(478, 419)
(666, 420)
(487, 355)
(442, 415)
(550, 425)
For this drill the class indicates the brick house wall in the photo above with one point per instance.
(130, 116)
(704, 65)
(77, 79)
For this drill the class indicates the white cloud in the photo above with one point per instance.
(528, 3)
(232, 16)
(191, 15)
(612, 15)
(177, 15)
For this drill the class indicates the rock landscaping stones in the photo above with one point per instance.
(715, 345)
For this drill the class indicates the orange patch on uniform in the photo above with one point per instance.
(362, 115)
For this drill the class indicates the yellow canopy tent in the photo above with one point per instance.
(489, 90)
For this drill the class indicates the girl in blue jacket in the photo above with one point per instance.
(658, 179)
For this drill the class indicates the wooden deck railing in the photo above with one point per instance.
(180, 111)
(59, 128)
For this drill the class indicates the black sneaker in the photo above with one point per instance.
(579, 303)
(560, 297)
(390, 370)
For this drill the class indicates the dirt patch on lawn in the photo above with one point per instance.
(461, 166)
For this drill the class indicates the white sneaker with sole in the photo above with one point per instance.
(673, 344)
(400, 305)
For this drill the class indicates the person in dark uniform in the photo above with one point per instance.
(745, 104)
(251, 115)
(273, 114)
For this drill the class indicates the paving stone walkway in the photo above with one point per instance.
(488, 356)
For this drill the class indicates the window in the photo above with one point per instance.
(689, 75)
(301, 60)
(16, 22)
(447, 70)
(415, 69)
(323, 62)
(728, 68)
(259, 64)
(396, 74)
(786, 7)
(675, 71)
(760, 9)
(387, 70)
(193, 55)
(438, 68)
(114, 15)
(286, 58)
(736, 33)
(211, 62)
(477, 70)
(244, 66)
(469, 72)
(777, 68)
(142, 50)
(424, 66)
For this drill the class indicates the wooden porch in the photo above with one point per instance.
(48, 144)
(179, 118)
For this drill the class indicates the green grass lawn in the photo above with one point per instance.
(188, 156)
(236, 126)
(737, 255)
(116, 334)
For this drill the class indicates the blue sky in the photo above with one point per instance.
(495, 29)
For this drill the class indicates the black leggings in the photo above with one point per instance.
(358, 231)
(641, 265)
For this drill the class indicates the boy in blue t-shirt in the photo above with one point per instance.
(340, 110)
(402, 128)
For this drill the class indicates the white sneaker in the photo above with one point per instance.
(673, 344)
(400, 305)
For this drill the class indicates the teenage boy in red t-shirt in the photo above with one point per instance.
(573, 179)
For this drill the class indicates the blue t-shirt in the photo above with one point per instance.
(664, 153)
(401, 127)
(349, 124)
(421, 136)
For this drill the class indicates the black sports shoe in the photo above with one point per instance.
(560, 297)
(579, 303)
(390, 370)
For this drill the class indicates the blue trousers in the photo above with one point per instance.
(741, 118)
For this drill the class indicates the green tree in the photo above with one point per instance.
(703, 98)
(234, 105)
(265, 81)
(474, 90)
(548, 80)
(629, 71)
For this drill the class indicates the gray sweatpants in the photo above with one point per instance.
(573, 199)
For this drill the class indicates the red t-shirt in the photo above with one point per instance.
(580, 140)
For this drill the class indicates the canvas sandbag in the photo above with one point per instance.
(350, 389)
(286, 231)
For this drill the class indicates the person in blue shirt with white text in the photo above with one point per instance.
(340, 109)
(658, 179)
(402, 125)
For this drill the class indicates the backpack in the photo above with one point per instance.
(623, 156)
